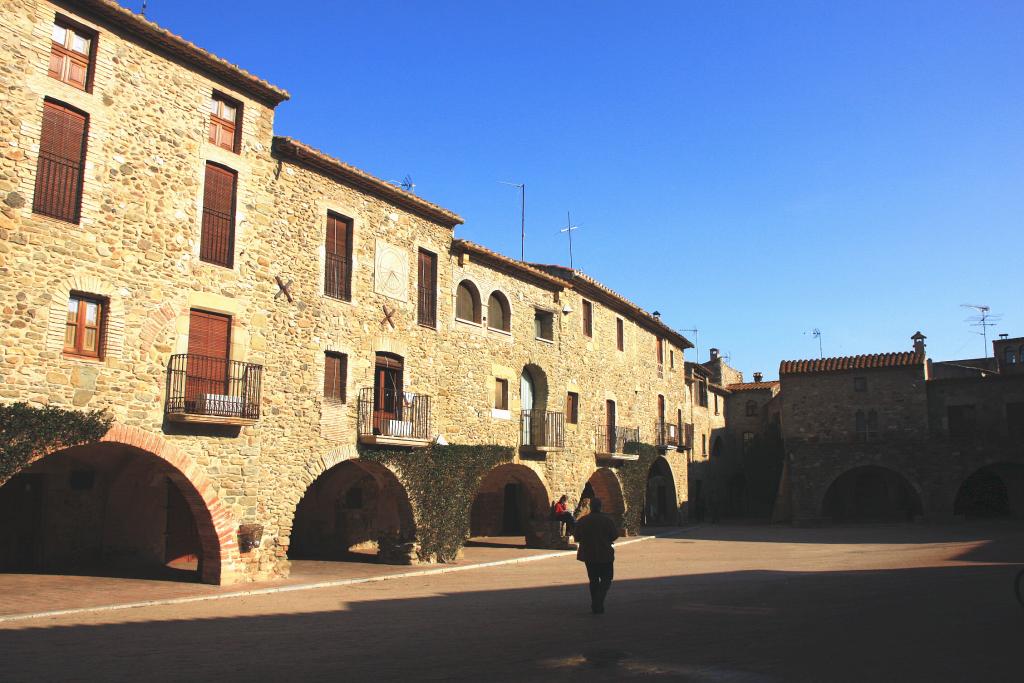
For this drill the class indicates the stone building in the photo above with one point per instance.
(254, 314)
(754, 425)
(897, 436)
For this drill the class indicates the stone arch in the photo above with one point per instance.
(660, 504)
(608, 488)
(540, 386)
(499, 311)
(113, 332)
(870, 492)
(219, 558)
(995, 489)
(467, 301)
(511, 500)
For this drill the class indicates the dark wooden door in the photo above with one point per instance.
(387, 392)
(209, 338)
(182, 547)
(610, 422)
(21, 523)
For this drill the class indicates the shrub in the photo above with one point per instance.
(26, 431)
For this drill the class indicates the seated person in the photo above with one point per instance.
(560, 513)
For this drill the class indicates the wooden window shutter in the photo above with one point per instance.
(620, 335)
(58, 190)
(72, 53)
(217, 243)
(588, 318)
(335, 376)
(338, 258)
(426, 308)
(209, 334)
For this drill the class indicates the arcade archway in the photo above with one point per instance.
(871, 494)
(509, 501)
(355, 511)
(660, 508)
(992, 491)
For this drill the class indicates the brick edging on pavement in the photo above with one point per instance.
(319, 584)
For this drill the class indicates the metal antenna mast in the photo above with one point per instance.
(569, 228)
(984, 320)
(696, 348)
(522, 217)
(144, 3)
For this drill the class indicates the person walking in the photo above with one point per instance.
(595, 534)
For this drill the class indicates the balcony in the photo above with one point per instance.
(389, 418)
(212, 390)
(611, 442)
(668, 436)
(541, 431)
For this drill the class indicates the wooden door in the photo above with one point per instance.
(181, 549)
(387, 392)
(209, 338)
(610, 422)
(21, 523)
(526, 406)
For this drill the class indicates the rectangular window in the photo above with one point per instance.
(572, 408)
(335, 376)
(543, 325)
(426, 300)
(702, 393)
(83, 333)
(500, 394)
(207, 376)
(671, 359)
(338, 258)
(217, 242)
(59, 173)
(72, 54)
(860, 383)
(716, 404)
(620, 335)
(659, 350)
(588, 318)
(703, 444)
(225, 122)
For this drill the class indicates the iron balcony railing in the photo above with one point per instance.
(337, 276)
(667, 435)
(390, 413)
(542, 429)
(213, 387)
(612, 439)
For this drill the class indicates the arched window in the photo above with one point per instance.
(498, 314)
(1011, 356)
(751, 408)
(467, 302)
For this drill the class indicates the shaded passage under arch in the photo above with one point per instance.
(510, 501)
(871, 494)
(354, 511)
(660, 507)
(992, 491)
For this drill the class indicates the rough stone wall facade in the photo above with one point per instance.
(137, 246)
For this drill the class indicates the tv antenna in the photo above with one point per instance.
(407, 184)
(522, 216)
(144, 3)
(569, 229)
(984, 320)
(696, 349)
(816, 333)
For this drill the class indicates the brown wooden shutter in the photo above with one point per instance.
(58, 191)
(426, 310)
(588, 318)
(335, 374)
(217, 243)
(620, 336)
(338, 261)
(209, 338)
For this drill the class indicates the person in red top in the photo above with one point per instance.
(561, 513)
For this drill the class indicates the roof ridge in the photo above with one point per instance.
(886, 359)
(522, 265)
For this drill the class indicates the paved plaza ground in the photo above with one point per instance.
(716, 603)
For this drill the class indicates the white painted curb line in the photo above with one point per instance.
(313, 586)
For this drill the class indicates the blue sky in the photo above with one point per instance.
(753, 170)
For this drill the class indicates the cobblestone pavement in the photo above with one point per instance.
(722, 603)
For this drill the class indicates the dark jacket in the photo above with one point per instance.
(595, 534)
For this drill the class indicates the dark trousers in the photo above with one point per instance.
(570, 521)
(600, 575)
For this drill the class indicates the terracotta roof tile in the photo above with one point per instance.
(510, 263)
(316, 159)
(159, 37)
(752, 386)
(862, 362)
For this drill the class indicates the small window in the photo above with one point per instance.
(543, 325)
(702, 393)
(500, 394)
(499, 316)
(335, 376)
(716, 404)
(338, 258)
(572, 407)
(748, 441)
(588, 318)
(83, 334)
(704, 444)
(1011, 356)
(225, 122)
(860, 383)
(659, 350)
(217, 242)
(751, 408)
(467, 302)
(620, 335)
(71, 54)
(426, 298)
(61, 165)
(671, 359)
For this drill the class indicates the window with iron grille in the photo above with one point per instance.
(335, 376)
(426, 300)
(500, 394)
(217, 243)
(543, 325)
(225, 122)
(72, 54)
(588, 318)
(620, 335)
(572, 407)
(59, 172)
(338, 258)
(83, 333)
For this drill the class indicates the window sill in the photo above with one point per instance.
(427, 326)
(334, 402)
(546, 341)
(347, 302)
(468, 322)
(77, 356)
(499, 414)
(504, 333)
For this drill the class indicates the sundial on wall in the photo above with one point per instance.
(391, 271)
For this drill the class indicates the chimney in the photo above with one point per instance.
(1003, 335)
(657, 315)
(757, 377)
(919, 342)
(714, 354)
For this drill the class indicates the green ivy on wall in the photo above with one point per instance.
(441, 482)
(26, 431)
(634, 481)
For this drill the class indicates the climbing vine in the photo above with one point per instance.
(26, 431)
(441, 482)
(634, 481)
